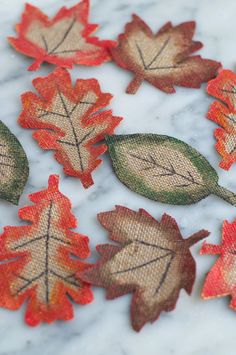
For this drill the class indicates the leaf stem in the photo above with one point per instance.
(225, 194)
(196, 237)
(36, 64)
(134, 84)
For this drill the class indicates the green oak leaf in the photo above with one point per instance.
(14, 168)
(164, 169)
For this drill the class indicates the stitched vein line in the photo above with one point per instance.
(28, 242)
(162, 280)
(6, 155)
(46, 280)
(67, 115)
(66, 279)
(73, 131)
(153, 245)
(81, 141)
(64, 36)
(228, 91)
(47, 270)
(44, 42)
(29, 282)
(230, 118)
(159, 52)
(8, 164)
(46, 112)
(148, 66)
(170, 171)
(67, 51)
(60, 240)
(142, 265)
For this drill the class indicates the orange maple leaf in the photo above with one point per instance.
(220, 280)
(163, 59)
(36, 263)
(69, 120)
(224, 114)
(63, 40)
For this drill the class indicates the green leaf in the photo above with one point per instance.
(164, 169)
(14, 168)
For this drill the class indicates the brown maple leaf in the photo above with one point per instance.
(63, 40)
(153, 261)
(69, 120)
(163, 59)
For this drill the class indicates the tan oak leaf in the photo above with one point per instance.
(36, 263)
(69, 120)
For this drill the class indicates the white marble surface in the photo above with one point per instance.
(196, 327)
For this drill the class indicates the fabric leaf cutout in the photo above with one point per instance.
(63, 40)
(152, 261)
(224, 114)
(163, 59)
(69, 120)
(220, 281)
(36, 264)
(164, 169)
(14, 168)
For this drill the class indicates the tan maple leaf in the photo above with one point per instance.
(152, 260)
(163, 59)
(63, 40)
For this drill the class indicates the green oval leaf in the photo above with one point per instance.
(164, 169)
(14, 168)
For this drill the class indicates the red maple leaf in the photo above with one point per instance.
(36, 265)
(69, 120)
(152, 261)
(220, 281)
(223, 112)
(163, 59)
(63, 40)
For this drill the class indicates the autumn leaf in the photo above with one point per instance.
(220, 281)
(152, 261)
(163, 59)
(164, 169)
(224, 114)
(63, 40)
(14, 168)
(69, 120)
(36, 264)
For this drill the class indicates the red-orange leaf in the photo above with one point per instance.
(163, 59)
(36, 264)
(69, 120)
(63, 40)
(153, 261)
(224, 114)
(220, 281)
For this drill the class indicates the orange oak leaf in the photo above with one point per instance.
(163, 59)
(224, 114)
(63, 40)
(152, 261)
(69, 120)
(220, 281)
(36, 263)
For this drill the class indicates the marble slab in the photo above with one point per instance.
(196, 327)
